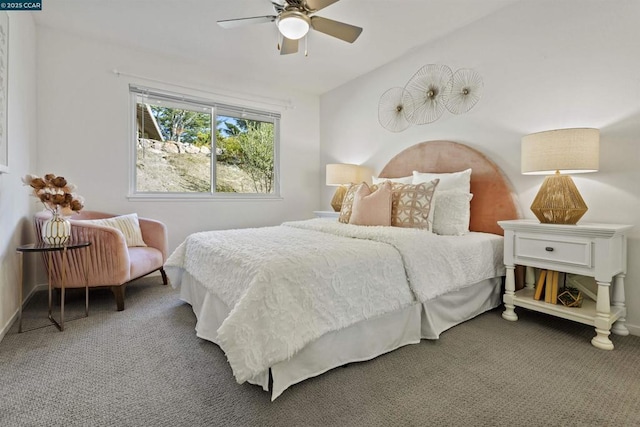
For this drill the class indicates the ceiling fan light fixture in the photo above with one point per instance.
(293, 24)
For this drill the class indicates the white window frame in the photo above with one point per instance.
(249, 113)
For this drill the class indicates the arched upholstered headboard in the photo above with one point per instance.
(493, 197)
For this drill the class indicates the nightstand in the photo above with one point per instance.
(326, 214)
(594, 250)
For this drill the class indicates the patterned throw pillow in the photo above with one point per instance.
(347, 202)
(411, 204)
(372, 207)
(127, 224)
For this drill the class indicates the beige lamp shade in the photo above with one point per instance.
(345, 173)
(341, 174)
(565, 150)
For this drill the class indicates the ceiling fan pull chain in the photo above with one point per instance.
(278, 39)
(306, 52)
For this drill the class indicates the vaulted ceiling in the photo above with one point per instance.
(187, 30)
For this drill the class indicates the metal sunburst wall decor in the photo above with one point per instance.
(428, 89)
(466, 91)
(391, 109)
(431, 90)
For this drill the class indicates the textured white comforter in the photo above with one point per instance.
(434, 264)
(289, 285)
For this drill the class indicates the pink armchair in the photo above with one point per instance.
(111, 263)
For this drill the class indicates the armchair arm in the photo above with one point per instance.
(154, 234)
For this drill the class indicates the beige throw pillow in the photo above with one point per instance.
(347, 202)
(127, 224)
(411, 204)
(372, 207)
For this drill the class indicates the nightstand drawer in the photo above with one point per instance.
(554, 249)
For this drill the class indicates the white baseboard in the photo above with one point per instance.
(14, 317)
(634, 329)
(36, 288)
(8, 325)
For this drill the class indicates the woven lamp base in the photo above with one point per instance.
(558, 201)
(338, 197)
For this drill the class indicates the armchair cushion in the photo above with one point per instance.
(144, 260)
(127, 224)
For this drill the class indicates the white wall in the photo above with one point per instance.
(84, 133)
(15, 204)
(546, 65)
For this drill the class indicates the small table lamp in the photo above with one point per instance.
(550, 153)
(341, 174)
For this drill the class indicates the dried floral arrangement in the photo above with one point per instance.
(55, 192)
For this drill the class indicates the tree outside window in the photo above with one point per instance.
(175, 155)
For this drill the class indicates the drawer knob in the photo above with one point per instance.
(548, 249)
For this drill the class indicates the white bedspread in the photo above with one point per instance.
(289, 285)
(434, 264)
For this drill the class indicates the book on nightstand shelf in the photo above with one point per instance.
(540, 285)
(547, 287)
(554, 288)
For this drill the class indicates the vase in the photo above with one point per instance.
(56, 230)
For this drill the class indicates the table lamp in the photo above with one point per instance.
(341, 174)
(555, 153)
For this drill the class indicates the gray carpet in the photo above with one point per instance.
(145, 366)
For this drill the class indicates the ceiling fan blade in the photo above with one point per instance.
(241, 22)
(316, 5)
(288, 46)
(340, 30)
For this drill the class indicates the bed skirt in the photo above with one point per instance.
(361, 341)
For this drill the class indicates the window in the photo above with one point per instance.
(177, 155)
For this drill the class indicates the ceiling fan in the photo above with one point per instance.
(293, 18)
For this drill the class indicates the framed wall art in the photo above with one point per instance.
(4, 86)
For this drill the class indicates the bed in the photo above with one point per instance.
(290, 302)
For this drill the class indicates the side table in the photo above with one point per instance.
(50, 249)
(586, 249)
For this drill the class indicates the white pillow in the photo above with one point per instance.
(460, 181)
(127, 224)
(403, 180)
(452, 212)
